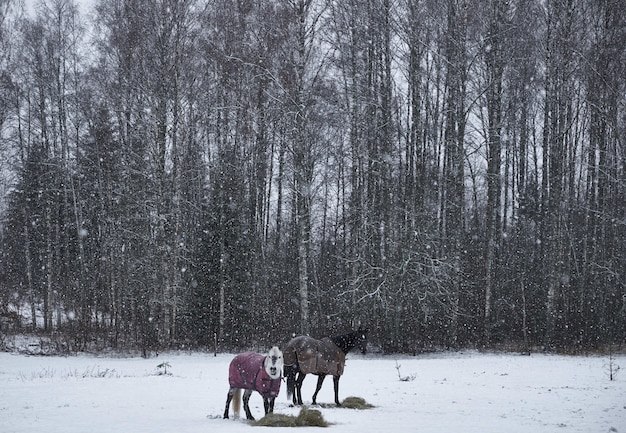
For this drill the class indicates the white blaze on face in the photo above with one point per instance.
(274, 363)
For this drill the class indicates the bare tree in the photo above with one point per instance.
(495, 62)
(452, 199)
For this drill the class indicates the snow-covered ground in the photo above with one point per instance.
(450, 392)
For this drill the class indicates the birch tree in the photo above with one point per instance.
(495, 48)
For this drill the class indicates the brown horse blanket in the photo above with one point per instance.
(246, 371)
(315, 356)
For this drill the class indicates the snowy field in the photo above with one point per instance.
(448, 393)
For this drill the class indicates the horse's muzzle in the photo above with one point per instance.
(272, 371)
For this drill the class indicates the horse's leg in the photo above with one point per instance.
(246, 398)
(336, 383)
(266, 405)
(272, 404)
(229, 397)
(299, 389)
(320, 380)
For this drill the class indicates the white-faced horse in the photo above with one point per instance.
(254, 372)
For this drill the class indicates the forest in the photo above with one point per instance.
(228, 173)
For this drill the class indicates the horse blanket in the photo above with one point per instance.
(247, 371)
(315, 356)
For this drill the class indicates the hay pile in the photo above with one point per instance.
(349, 403)
(306, 418)
(309, 417)
(356, 403)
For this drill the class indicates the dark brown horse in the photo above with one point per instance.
(304, 355)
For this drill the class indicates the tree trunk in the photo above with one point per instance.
(495, 68)
(303, 164)
(453, 170)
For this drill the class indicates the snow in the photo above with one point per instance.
(449, 392)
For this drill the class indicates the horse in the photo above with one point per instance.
(254, 372)
(304, 355)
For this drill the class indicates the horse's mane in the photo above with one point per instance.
(347, 342)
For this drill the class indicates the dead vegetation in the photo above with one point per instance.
(306, 418)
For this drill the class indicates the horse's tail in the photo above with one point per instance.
(237, 402)
(290, 368)
(290, 374)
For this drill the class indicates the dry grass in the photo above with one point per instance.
(356, 403)
(306, 418)
(348, 403)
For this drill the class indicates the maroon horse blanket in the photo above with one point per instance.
(246, 371)
(315, 356)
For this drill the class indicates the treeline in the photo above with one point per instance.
(184, 172)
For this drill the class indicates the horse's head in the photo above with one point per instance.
(361, 339)
(274, 363)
